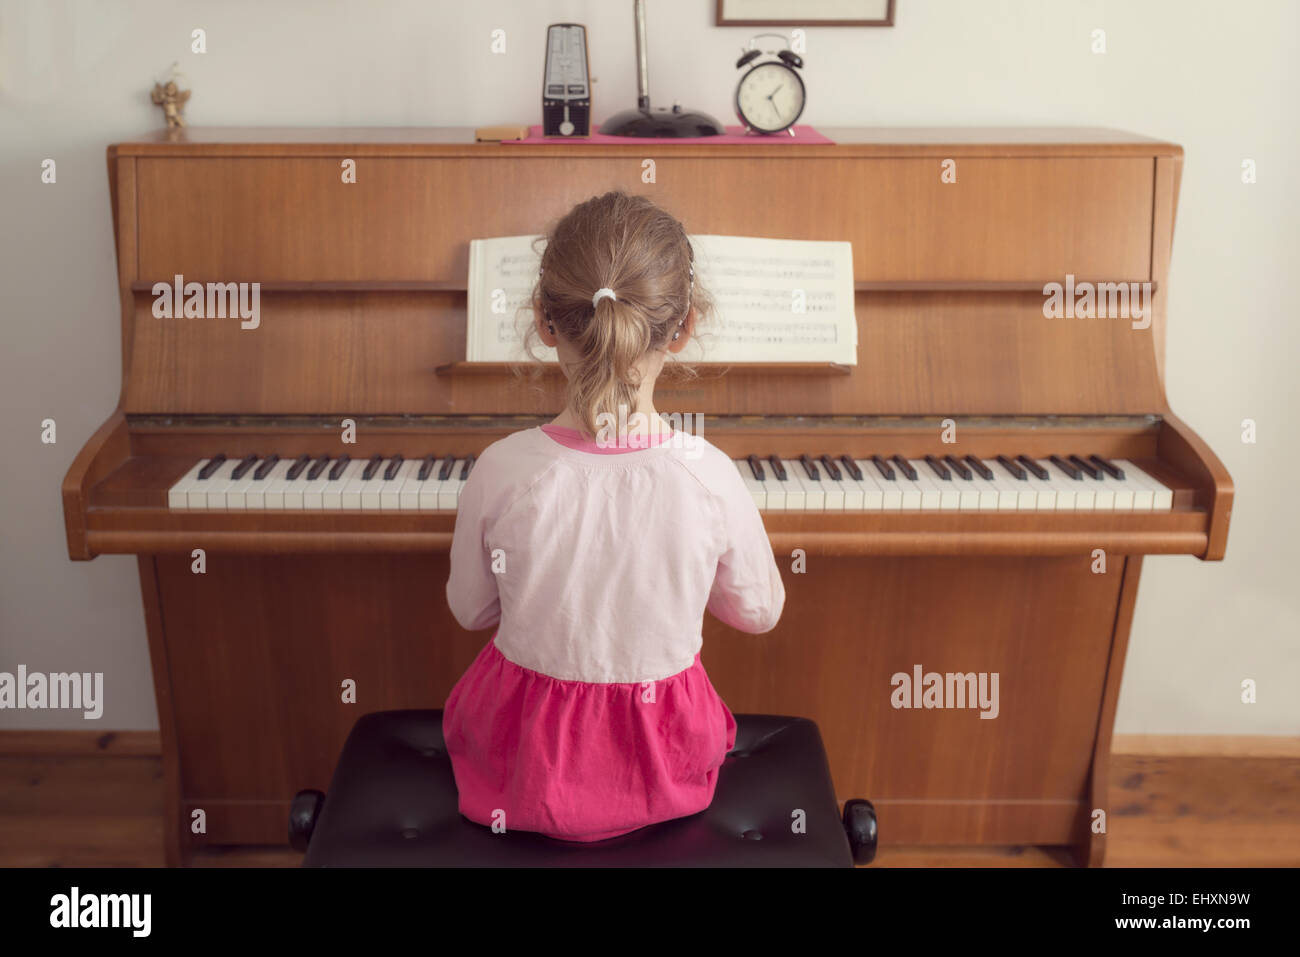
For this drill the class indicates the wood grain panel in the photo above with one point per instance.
(1044, 625)
(293, 219)
(258, 680)
(378, 353)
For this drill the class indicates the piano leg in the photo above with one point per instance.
(162, 689)
(1094, 852)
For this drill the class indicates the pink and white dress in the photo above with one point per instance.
(588, 714)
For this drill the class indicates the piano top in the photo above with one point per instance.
(850, 140)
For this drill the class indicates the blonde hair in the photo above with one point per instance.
(635, 248)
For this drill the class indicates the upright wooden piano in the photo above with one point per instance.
(298, 596)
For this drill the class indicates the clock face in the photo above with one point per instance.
(770, 97)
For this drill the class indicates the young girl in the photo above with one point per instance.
(596, 553)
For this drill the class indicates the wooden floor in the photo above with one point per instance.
(1166, 809)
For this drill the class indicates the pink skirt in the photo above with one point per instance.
(581, 761)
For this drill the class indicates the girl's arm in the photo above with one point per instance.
(748, 593)
(472, 586)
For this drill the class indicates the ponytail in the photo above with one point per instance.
(610, 345)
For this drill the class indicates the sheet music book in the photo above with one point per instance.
(777, 300)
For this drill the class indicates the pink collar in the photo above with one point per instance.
(573, 439)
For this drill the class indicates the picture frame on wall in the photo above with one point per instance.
(805, 13)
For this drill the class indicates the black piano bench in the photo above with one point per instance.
(392, 803)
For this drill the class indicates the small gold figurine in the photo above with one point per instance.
(172, 99)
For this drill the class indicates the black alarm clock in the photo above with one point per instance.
(770, 95)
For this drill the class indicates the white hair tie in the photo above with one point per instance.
(602, 293)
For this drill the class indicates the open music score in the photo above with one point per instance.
(777, 300)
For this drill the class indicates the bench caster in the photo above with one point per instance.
(860, 827)
(303, 814)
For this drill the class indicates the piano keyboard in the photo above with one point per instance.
(944, 483)
(808, 483)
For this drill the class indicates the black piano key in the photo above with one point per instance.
(958, 467)
(214, 463)
(340, 465)
(777, 468)
(1066, 467)
(268, 463)
(1087, 468)
(300, 463)
(755, 466)
(905, 467)
(1015, 470)
(938, 468)
(317, 467)
(244, 465)
(464, 469)
(390, 473)
(426, 467)
(1110, 468)
(832, 469)
(448, 464)
(984, 471)
(809, 468)
(372, 467)
(1034, 467)
(855, 473)
(882, 467)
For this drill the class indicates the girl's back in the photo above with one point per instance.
(589, 714)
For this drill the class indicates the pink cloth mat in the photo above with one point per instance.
(803, 136)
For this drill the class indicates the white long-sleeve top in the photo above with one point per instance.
(599, 567)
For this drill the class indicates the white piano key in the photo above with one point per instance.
(968, 491)
(293, 496)
(351, 495)
(932, 496)
(1104, 489)
(1067, 489)
(796, 493)
(987, 493)
(1045, 499)
(854, 492)
(269, 488)
(313, 496)
(814, 488)
(449, 490)
(1123, 493)
(333, 496)
(891, 494)
(752, 484)
(197, 494)
(237, 493)
(408, 498)
(834, 488)
(873, 496)
(1162, 497)
(429, 488)
(1085, 495)
(1007, 485)
(215, 487)
(390, 490)
(178, 494)
(774, 489)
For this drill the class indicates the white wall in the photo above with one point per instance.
(1219, 78)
